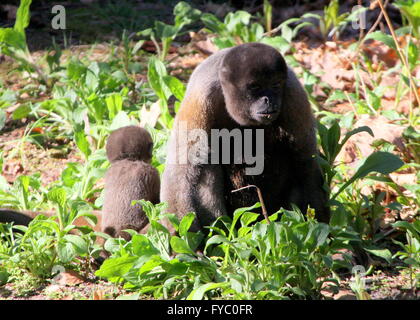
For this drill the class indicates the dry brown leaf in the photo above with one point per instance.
(359, 145)
(99, 295)
(206, 46)
(379, 52)
(69, 278)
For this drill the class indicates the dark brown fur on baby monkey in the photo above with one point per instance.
(246, 87)
(130, 177)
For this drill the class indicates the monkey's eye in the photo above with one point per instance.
(278, 85)
(254, 87)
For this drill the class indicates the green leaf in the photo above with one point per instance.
(355, 131)
(82, 143)
(180, 246)
(185, 14)
(142, 246)
(217, 239)
(277, 42)
(91, 80)
(198, 294)
(381, 253)
(21, 112)
(212, 23)
(4, 277)
(58, 196)
(176, 86)
(235, 19)
(151, 263)
(382, 37)
(337, 95)
(223, 43)
(381, 162)
(413, 227)
(114, 269)
(13, 39)
(164, 30)
(333, 138)
(75, 70)
(156, 72)
(65, 250)
(78, 242)
(22, 16)
(2, 119)
(114, 103)
(248, 217)
(185, 224)
(238, 213)
(322, 233)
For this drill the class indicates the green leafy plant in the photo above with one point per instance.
(164, 87)
(47, 242)
(242, 259)
(184, 15)
(411, 254)
(349, 207)
(235, 29)
(331, 22)
(26, 192)
(13, 44)
(410, 10)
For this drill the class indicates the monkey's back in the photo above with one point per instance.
(126, 181)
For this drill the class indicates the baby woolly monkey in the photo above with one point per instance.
(130, 177)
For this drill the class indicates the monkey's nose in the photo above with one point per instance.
(266, 100)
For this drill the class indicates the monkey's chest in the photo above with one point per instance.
(275, 180)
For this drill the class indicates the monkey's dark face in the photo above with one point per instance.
(253, 77)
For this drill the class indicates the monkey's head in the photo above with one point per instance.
(253, 76)
(131, 142)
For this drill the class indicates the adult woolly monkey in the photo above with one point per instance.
(247, 87)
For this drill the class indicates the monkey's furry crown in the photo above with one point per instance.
(131, 142)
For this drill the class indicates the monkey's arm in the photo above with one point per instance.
(299, 123)
(194, 188)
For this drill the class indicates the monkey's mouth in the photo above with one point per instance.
(269, 115)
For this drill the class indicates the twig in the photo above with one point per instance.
(260, 197)
(372, 28)
(352, 105)
(361, 30)
(273, 31)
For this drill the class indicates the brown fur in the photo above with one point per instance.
(129, 178)
(217, 97)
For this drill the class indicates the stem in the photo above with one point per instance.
(400, 51)
(260, 197)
